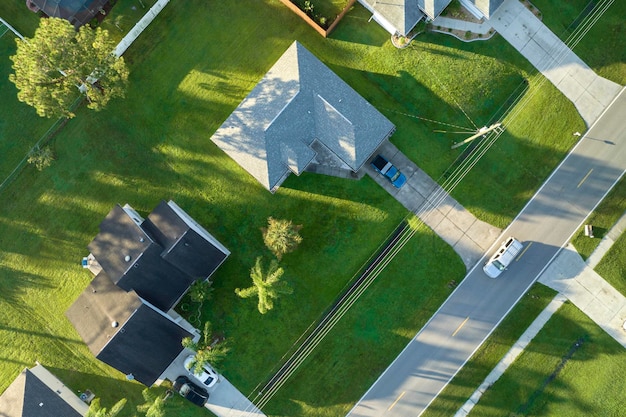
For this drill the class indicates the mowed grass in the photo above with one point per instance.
(20, 126)
(190, 69)
(612, 267)
(603, 47)
(590, 382)
(463, 385)
(602, 219)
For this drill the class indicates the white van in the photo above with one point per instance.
(503, 257)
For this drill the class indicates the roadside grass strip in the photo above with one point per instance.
(512, 354)
(571, 368)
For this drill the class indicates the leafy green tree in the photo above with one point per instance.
(58, 63)
(96, 410)
(207, 351)
(266, 285)
(281, 236)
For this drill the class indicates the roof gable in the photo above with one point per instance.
(159, 257)
(119, 328)
(403, 15)
(298, 101)
(31, 396)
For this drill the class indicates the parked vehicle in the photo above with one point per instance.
(191, 391)
(208, 377)
(393, 174)
(503, 257)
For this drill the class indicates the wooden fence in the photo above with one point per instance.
(313, 23)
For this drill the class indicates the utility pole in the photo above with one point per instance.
(481, 132)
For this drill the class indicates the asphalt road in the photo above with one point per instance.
(478, 305)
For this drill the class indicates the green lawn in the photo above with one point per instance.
(603, 48)
(613, 265)
(20, 127)
(590, 382)
(463, 385)
(602, 219)
(189, 70)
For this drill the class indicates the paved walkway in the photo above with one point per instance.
(467, 235)
(456, 24)
(589, 92)
(572, 277)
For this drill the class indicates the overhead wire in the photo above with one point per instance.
(431, 203)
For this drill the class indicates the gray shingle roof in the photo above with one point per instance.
(402, 14)
(298, 101)
(433, 8)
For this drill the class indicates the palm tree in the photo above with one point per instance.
(96, 410)
(281, 236)
(154, 405)
(207, 351)
(266, 285)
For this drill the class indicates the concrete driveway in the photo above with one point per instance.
(224, 398)
(467, 235)
(589, 92)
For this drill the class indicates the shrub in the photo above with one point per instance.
(41, 157)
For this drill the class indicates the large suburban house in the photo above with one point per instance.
(38, 393)
(142, 267)
(77, 12)
(301, 114)
(398, 17)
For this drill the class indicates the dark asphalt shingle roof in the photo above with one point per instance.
(144, 342)
(159, 257)
(29, 396)
(78, 12)
(185, 243)
(298, 101)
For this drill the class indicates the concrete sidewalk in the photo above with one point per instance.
(572, 277)
(589, 92)
(468, 236)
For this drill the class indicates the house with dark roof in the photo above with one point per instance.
(125, 331)
(38, 393)
(398, 17)
(143, 268)
(301, 114)
(158, 257)
(78, 12)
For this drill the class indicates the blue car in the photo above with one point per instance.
(390, 172)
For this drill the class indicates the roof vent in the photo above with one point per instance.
(127, 258)
(114, 324)
(40, 404)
